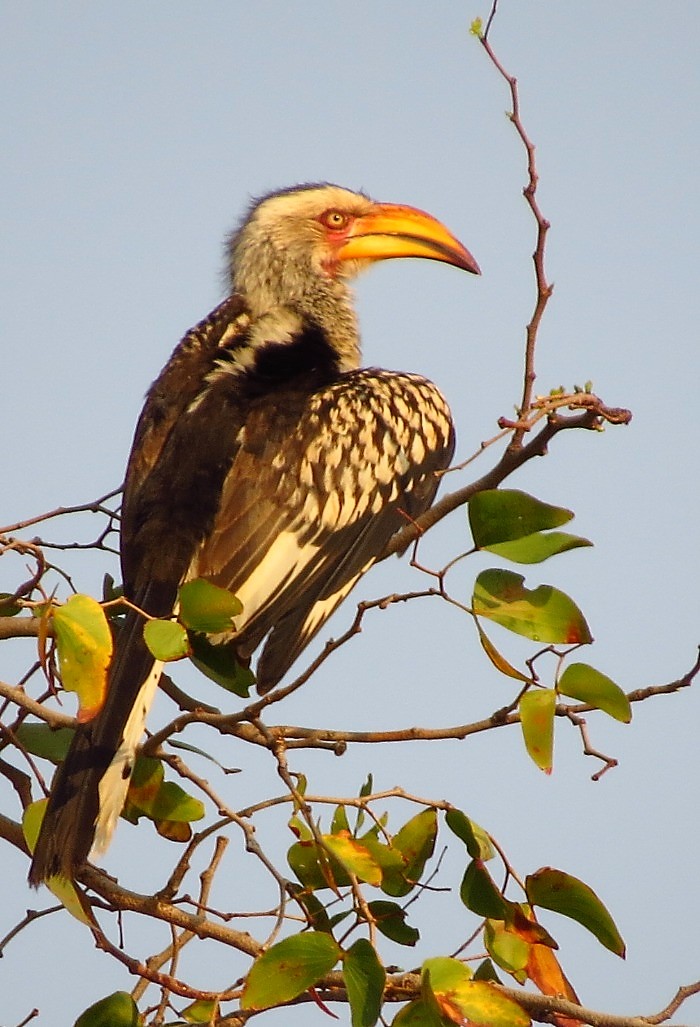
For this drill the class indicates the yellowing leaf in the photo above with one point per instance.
(354, 856)
(562, 893)
(498, 659)
(543, 614)
(579, 681)
(536, 709)
(63, 889)
(288, 969)
(84, 644)
(463, 1000)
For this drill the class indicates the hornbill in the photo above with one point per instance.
(266, 461)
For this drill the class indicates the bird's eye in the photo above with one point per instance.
(335, 219)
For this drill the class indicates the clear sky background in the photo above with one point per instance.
(133, 137)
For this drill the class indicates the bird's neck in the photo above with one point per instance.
(283, 308)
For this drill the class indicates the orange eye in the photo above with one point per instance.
(335, 219)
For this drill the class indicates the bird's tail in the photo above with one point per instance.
(90, 786)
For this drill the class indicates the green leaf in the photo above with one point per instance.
(84, 644)
(117, 1010)
(151, 796)
(543, 614)
(416, 841)
(9, 607)
(501, 515)
(315, 911)
(479, 893)
(462, 1000)
(208, 608)
(392, 863)
(562, 893)
(486, 971)
(166, 640)
(538, 547)
(390, 919)
(288, 969)
(417, 1014)
(579, 681)
(507, 949)
(220, 664)
(474, 837)
(200, 1011)
(340, 821)
(41, 740)
(536, 709)
(365, 978)
(315, 868)
(354, 856)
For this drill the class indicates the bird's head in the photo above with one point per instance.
(296, 242)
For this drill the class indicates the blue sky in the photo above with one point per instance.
(133, 137)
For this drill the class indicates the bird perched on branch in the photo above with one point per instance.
(266, 461)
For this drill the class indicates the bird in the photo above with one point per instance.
(267, 461)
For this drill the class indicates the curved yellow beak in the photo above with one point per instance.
(394, 230)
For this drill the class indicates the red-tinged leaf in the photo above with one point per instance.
(543, 614)
(501, 515)
(544, 971)
(536, 710)
(63, 889)
(208, 608)
(117, 1010)
(288, 969)
(166, 640)
(579, 681)
(474, 837)
(463, 1000)
(365, 978)
(479, 893)
(173, 830)
(84, 644)
(354, 856)
(538, 547)
(497, 658)
(562, 893)
(506, 948)
(390, 919)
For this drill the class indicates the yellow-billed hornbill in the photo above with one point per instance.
(265, 461)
